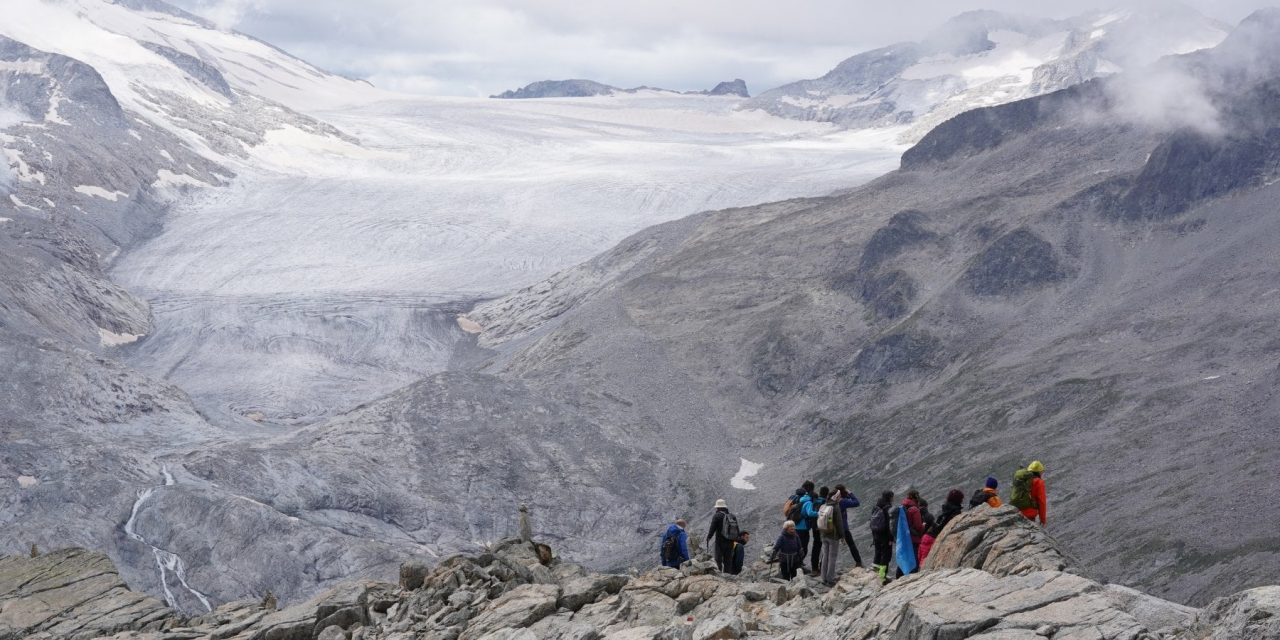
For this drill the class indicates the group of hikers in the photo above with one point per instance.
(818, 521)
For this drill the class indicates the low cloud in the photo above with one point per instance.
(1166, 97)
(479, 47)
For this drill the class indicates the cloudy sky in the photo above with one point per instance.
(479, 47)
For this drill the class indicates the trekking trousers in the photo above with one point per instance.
(723, 554)
(815, 554)
(853, 547)
(788, 563)
(804, 542)
(884, 548)
(830, 559)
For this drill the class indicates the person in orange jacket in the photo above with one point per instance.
(988, 495)
(1041, 507)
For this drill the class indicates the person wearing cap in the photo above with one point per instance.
(1040, 508)
(987, 495)
(723, 549)
(787, 551)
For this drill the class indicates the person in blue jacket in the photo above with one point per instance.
(676, 552)
(804, 496)
(849, 501)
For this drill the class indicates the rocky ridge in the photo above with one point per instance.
(586, 88)
(518, 590)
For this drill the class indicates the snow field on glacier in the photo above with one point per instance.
(320, 277)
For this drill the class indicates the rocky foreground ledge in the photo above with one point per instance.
(991, 575)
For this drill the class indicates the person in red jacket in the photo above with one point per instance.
(1041, 508)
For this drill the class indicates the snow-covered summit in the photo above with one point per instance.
(984, 58)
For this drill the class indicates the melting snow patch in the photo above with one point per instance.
(99, 192)
(111, 339)
(4, 220)
(747, 470)
(26, 482)
(20, 204)
(167, 179)
(1212, 377)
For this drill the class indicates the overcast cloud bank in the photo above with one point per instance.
(483, 47)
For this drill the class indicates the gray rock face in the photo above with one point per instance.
(558, 89)
(1250, 615)
(735, 87)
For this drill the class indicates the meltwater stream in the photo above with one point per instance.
(167, 563)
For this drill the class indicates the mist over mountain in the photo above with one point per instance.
(985, 58)
(269, 328)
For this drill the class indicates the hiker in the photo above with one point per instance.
(724, 529)
(926, 516)
(832, 529)
(815, 540)
(915, 525)
(953, 507)
(849, 501)
(987, 495)
(787, 551)
(881, 537)
(794, 510)
(1028, 492)
(675, 545)
(739, 556)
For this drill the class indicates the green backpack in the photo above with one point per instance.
(1021, 496)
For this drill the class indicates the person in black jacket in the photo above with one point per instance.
(723, 548)
(787, 551)
(881, 534)
(953, 507)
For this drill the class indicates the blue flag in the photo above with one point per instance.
(906, 552)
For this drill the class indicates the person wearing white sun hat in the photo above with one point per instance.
(724, 530)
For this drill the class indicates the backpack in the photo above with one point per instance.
(729, 527)
(827, 519)
(1021, 496)
(879, 520)
(793, 510)
(670, 548)
(979, 498)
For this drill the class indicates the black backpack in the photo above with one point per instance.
(670, 548)
(879, 520)
(979, 498)
(729, 527)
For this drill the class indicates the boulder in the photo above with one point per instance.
(413, 574)
(998, 541)
(332, 633)
(515, 609)
(1248, 615)
(72, 593)
(578, 592)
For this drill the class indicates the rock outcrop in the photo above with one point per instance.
(1000, 542)
(71, 593)
(511, 593)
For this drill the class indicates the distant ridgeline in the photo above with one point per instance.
(588, 88)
